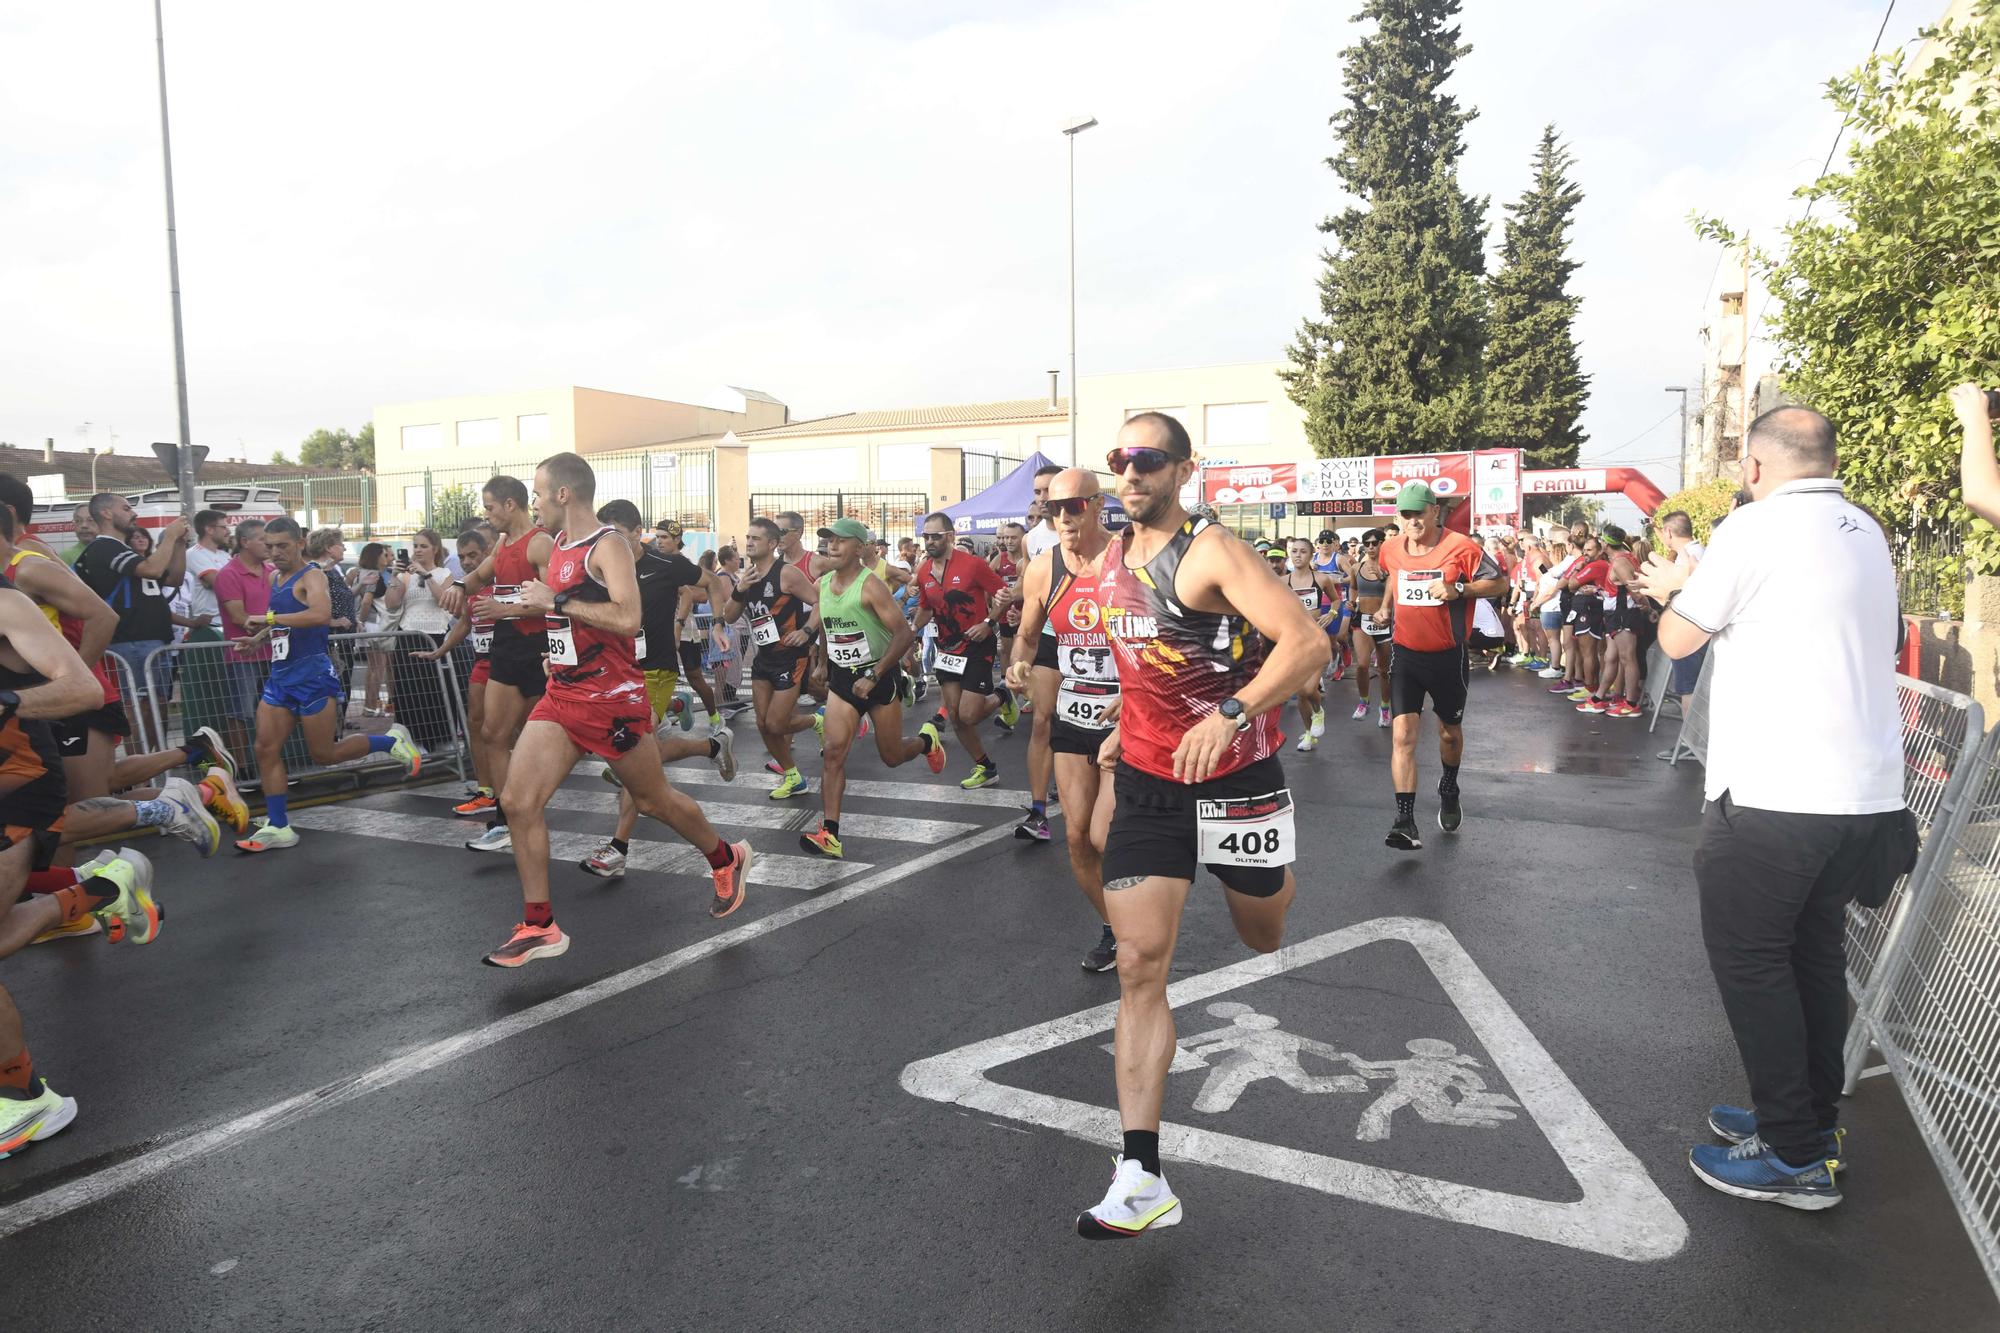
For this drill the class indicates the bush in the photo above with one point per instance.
(1704, 505)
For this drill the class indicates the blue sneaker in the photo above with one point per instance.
(1752, 1171)
(1737, 1123)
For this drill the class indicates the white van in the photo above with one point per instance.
(56, 523)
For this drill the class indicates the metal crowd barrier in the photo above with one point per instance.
(1941, 729)
(1934, 1006)
(212, 687)
(1692, 742)
(1659, 674)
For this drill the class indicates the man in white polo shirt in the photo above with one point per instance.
(1804, 786)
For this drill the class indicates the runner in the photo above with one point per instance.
(301, 684)
(1330, 559)
(474, 545)
(515, 676)
(1319, 594)
(42, 678)
(866, 637)
(1044, 680)
(595, 704)
(1370, 632)
(1437, 576)
(1208, 651)
(964, 598)
(1042, 531)
(778, 597)
(1009, 555)
(1586, 583)
(1061, 590)
(697, 616)
(662, 578)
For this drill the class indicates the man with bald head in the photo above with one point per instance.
(1060, 591)
(1804, 783)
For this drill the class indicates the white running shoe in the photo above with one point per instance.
(1360, 710)
(1306, 742)
(725, 753)
(607, 862)
(496, 838)
(1137, 1201)
(1383, 720)
(1549, 673)
(1319, 722)
(190, 822)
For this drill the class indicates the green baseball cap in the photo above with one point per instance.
(846, 527)
(1414, 495)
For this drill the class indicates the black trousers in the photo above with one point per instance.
(1774, 893)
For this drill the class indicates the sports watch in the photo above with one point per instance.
(1232, 709)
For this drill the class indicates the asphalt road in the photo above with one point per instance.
(878, 1095)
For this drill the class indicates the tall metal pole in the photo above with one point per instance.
(1072, 299)
(1681, 457)
(174, 277)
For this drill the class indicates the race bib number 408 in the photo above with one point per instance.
(1247, 831)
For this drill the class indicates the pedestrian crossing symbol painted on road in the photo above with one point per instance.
(1427, 1084)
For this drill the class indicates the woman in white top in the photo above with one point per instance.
(412, 595)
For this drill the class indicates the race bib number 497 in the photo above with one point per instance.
(1247, 831)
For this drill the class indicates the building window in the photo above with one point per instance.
(1234, 425)
(532, 429)
(1055, 448)
(903, 462)
(423, 437)
(413, 499)
(481, 434)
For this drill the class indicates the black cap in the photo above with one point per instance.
(1326, 534)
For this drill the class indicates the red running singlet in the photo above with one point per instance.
(1175, 664)
(511, 568)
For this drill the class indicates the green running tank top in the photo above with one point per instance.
(855, 639)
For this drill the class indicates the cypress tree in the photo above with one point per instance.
(1392, 363)
(1535, 385)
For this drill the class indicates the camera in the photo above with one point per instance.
(1993, 404)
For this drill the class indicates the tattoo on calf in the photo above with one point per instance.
(1126, 882)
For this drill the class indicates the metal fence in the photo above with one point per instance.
(210, 685)
(1692, 742)
(1930, 567)
(978, 471)
(1934, 1006)
(892, 513)
(1659, 674)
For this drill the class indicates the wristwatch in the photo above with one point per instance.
(10, 702)
(560, 600)
(1233, 710)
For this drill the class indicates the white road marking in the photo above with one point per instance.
(99, 1185)
(751, 775)
(791, 815)
(1622, 1212)
(669, 858)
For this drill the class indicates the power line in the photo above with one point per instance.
(1672, 412)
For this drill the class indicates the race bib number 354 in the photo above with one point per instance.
(1247, 831)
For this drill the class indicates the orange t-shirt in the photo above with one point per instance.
(1423, 624)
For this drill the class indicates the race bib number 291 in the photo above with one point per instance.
(1247, 831)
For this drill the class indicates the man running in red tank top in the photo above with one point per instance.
(1209, 647)
(595, 703)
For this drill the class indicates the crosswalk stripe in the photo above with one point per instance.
(941, 792)
(674, 858)
(793, 816)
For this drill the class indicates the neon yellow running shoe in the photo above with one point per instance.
(133, 908)
(405, 750)
(789, 785)
(34, 1114)
(822, 842)
(1010, 707)
(983, 775)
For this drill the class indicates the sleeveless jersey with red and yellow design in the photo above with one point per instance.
(603, 669)
(1083, 650)
(1176, 664)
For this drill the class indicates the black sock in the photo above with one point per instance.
(196, 750)
(1143, 1147)
(619, 845)
(1406, 807)
(927, 738)
(1448, 784)
(831, 826)
(714, 747)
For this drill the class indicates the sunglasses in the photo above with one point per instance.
(1076, 504)
(1373, 541)
(1146, 460)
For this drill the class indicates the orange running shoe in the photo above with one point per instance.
(480, 804)
(729, 881)
(219, 794)
(527, 944)
(935, 755)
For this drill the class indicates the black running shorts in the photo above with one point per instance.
(1153, 826)
(691, 654)
(516, 660)
(32, 791)
(72, 734)
(977, 678)
(1045, 652)
(781, 668)
(888, 685)
(1066, 739)
(1441, 676)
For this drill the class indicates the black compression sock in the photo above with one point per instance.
(1406, 807)
(1143, 1147)
(619, 845)
(831, 826)
(714, 747)
(1449, 782)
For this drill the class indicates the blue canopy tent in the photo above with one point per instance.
(1007, 501)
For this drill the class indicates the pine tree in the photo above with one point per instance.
(1392, 364)
(1535, 385)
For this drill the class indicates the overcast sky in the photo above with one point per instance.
(848, 204)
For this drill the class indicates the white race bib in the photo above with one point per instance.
(764, 631)
(847, 650)
(562, 642)
(952, 662)
(281, 643)
(1082, 703)
(482, 638)
(1248, 831)
(510, 593)
(151, 587)
(639, 645)
(1414, 587)
(1368, 625)
(1308, 598)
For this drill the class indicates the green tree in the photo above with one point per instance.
(337, 449)
(1890, 294)
(1535, 385)
(280, 459)
(452, 509)
(1391, 364)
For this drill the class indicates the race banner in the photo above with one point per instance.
(1564, 481)
(1338, 487)
(1496, 489)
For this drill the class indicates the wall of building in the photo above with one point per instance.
(897, 459)
(448, 432)
(1233, 413)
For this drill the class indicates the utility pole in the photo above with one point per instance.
(187, 463)
(1070, 131)
(1682, 459)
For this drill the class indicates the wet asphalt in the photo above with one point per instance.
(727, 1139)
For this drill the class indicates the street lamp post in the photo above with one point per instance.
(1680, 458)
(186, 477)
(1070, 130)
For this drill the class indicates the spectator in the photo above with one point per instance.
(326, 548)
(420, 700)
(243, 591)
(371, 587)
(727, 640)
(1978, 470)
(1804, 782)
(138, 587)
(86, 532)
(1677, 531)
